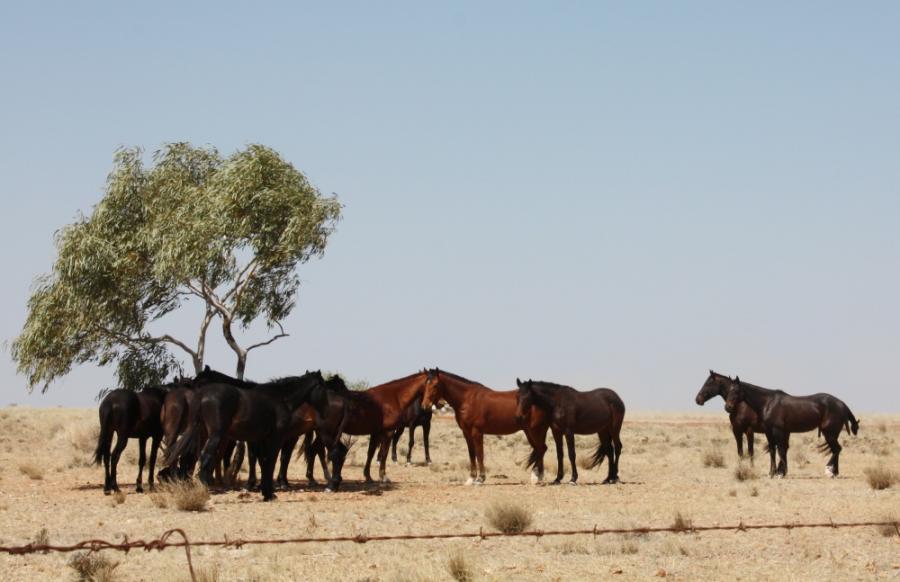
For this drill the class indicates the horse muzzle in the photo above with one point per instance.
(699, 400)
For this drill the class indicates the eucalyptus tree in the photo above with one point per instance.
(193, 225)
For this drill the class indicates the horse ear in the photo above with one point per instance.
(518, 382)
(711, 373)
(737, 379)
(206, 368)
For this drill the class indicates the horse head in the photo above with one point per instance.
(433, 388)
(524, 399)
(715, 385)
(734, 394)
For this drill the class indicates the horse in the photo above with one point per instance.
(744, 422)
(129, 414)
(376, 412)
(480, 410)
(572, 412)
(415, 415)
(782, 414)
(174, 418)
(260, 417)
(303, 424)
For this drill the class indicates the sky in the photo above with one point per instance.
(596, 194)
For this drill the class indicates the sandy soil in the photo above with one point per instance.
(661, 465)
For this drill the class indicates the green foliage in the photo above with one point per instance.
(228, 231)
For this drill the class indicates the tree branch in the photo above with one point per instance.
(138, 341)
(277, 336)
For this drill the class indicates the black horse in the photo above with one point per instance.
(415, 415)
(572, 412)
(261, 417)
(744, 422)
(781, 414)
(130, 414)
(303, 424)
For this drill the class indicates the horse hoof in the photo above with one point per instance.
(470, 481)
(535, 478)
(572, 483)
(385, 479)
(107, 491)
(408, 464)
(139, 489)
(556, 482)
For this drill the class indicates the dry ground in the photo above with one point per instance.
(46, 484)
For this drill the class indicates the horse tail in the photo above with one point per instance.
(188, 439)
(533, 459)
(306, 448)
(618, 419)
(104, 439)
(599, 454)
(851, 424)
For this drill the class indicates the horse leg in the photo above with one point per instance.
(570, 445)
(337, 454)
(382, 458)
(478, 441)
(473, 469)
(367, 471)
(560, 466)
(617, 450)
(412, 442)
(286, 450)
(831, 439)
(107, 487)
(319, 448)
(750, 438)
(121, 442)
(252, 460)
(142, 460)
(154, 449)
(783, 444)
(394, 441)
(770, 444)
(208, 457)
(739, 438)
(426, 430)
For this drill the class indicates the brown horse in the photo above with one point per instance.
(572, 412)
(376, 412)
(129, 414)
(782, 414)
(743, 420)
(480, 411)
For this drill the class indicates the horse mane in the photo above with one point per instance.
(398, 380)
(460, 378)
(549, 385)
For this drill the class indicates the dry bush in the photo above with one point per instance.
(93, 567)
(117, 498)
(754, 492)
(573, 547)
(508, 517)
(33, 471)
(82, 437)
(745, 472)
(681, 523)
(458, 566)
(800, 458)
(629, 548)
(879, 477)
(890, 530)
(41, 538)
(585, 462)
(189, 495)
(713, 458)
(207, 574)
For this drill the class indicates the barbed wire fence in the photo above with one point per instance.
(163, 541)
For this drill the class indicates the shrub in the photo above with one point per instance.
(93, 567)
(41, 538)
(188, 495)
(459, 567)
(117, 498)
(32, 470)
(880, 477)
(890, 530)
(508, 517)
(713, 458)
(744, 472)
(681, 523)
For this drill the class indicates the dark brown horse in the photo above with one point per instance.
(129, 414)
(781, 414)
(572, 412)
(376, 412)
(415, 415)
(744, 422)
(480, 411)
(261, 417)
(303, 424)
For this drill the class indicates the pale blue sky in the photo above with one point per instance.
(597, 194)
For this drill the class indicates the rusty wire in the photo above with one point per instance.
(162, 542)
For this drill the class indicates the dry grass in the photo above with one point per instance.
(32, 471)
(458, 565)
(117, 498)
(41, 538)
(508, 517)
(660, 477)
(681, 523)
(93, 567)
(189, 495)
(880, 477)
(208, 573)
(713, 458)
(745, 472)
